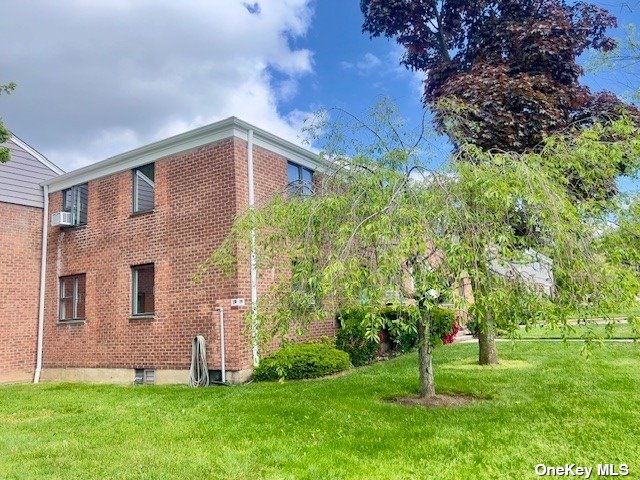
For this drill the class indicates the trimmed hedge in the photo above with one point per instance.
(296, 361)
(352, 337)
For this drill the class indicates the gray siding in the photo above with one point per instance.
(20, 177)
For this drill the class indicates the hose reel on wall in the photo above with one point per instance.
(199, 371)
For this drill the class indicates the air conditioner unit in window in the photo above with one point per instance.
(62, 219)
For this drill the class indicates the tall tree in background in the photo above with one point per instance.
(509, 65)
(4, 133)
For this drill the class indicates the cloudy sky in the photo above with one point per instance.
(96, 78)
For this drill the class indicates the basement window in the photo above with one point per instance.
(300, 180)
(143, 188)
(72, 297)
(75, 200)
(143, 298)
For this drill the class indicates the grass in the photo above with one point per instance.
(620, 314)
(545, 404)
(616, 331)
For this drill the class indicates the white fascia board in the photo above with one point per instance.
(227, 128)
(34, 153)
(282, 147)
(144, 155)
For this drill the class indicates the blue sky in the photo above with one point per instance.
(97, 78)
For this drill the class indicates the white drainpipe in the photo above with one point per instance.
(254, 272)
(223, 366)
(43, 273)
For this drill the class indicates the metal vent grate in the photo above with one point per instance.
(145, 376)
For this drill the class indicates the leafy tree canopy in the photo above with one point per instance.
(511, 65)
(381, 228)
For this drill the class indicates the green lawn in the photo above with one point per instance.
(619, 331)
(546, 404)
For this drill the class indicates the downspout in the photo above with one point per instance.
(254, 272)
(223, 366)
(43, 272)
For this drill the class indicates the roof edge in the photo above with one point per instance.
(37, 155)
(226, 128)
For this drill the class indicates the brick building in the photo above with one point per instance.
(21, 211)
(119, 294)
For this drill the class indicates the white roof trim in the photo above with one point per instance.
(33, 152)
(227, 128)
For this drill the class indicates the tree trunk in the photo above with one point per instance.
(427, 383)
(487, 343)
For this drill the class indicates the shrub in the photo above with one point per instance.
(352, 336)
(296, 361)
(444, 325)
(401, 323)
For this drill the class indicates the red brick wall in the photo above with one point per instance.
(20, 237)
(198, 194)
(270, 177)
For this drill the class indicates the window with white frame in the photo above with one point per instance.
(143, 188)
(72, 297)
(75, 200)
(143, 289)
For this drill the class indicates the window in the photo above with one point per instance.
(75, 201)
(143, 188)
(72, 295)
(142, 277)
(300, 179)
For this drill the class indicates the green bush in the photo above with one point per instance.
(443, 325)
(296, 361)
(402, 326)
(352, 336)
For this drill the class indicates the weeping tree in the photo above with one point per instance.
(381, 228)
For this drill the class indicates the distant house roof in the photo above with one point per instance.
(227, 128)
(21, 176)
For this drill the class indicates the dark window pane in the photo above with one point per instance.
(67, 200)
(293, 173)
(143, 188)
(300, 179)
(143, 289)
(76, 201)
(307, 181)
(66, 287)
(81, 291)
(66, 309)
(148, 171)
(82, 203)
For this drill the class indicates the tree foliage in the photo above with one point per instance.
(381, 228)
(620, 240)
(624, 57)
(4, 133)
(510, 65)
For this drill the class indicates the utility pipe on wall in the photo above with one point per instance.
(254, 272)
(223, 366)
(43, 273)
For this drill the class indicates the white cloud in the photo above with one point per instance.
(372, 66)
(97, 78)
(364, 65)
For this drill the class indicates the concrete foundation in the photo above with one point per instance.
(125, 376)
